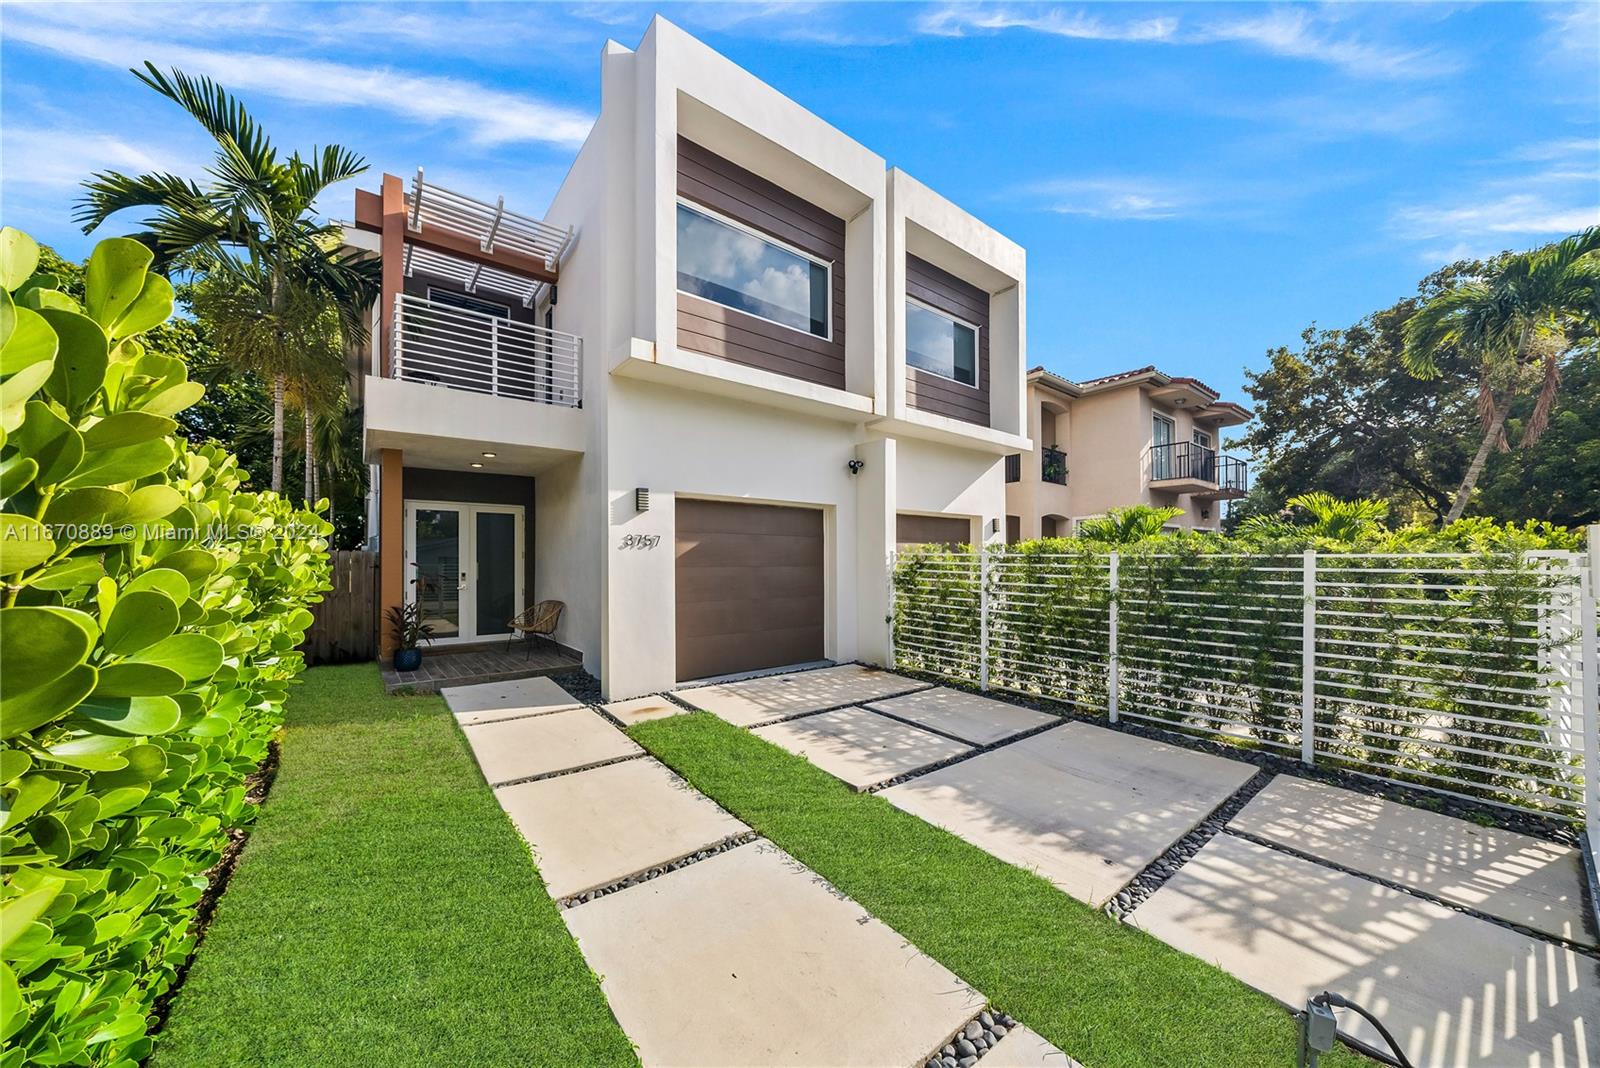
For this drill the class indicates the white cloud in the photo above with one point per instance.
(957, 20)
(1529, 214)
(1113, 198)
(488, 116)
(57, 158)
(1296, 34)
(1289, 33)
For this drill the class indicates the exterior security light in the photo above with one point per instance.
(641, 499)
(855, 466)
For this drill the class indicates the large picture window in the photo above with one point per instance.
(940, 345)
(742, 270)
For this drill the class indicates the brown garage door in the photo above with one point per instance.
(912, 530)
(750, 587)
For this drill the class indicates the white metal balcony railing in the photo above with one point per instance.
(438, 344)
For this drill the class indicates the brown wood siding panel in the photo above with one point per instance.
(929, 392)
(912, 530)
(749, 587)
(707, 179)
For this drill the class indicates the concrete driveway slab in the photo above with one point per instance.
(1457, 991)
(486, 702)
(515, 749)
(1504, 874)
(1085, 807)
(979, 720)
(757, 700)
(748, 958)
(1022, 1048)
(860, 747)
(598, 826)
(643, 709)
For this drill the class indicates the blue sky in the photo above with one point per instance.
(1194, 183)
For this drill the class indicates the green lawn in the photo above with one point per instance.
(385, 911)
(1108, 995)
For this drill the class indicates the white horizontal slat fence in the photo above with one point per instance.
(1468, 674)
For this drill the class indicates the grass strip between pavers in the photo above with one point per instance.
(1109, 995)
(385, 911)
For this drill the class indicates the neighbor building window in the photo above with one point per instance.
(740, 269)
(941, 345)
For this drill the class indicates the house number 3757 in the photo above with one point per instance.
(640, 541)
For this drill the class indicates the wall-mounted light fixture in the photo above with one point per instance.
(855, 466)
(641, 499)
(991, 527)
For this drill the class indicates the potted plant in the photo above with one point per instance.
(409, 631)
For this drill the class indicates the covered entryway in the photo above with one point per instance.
(951, 530)
(465, 567)
(750, 587)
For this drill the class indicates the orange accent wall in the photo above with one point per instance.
(391, 542)
(393, 252)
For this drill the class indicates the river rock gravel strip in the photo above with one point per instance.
(973, 1041)
(731, 842)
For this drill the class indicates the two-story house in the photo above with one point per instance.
(1138, 437)
(702, 398)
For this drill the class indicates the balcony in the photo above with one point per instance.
(438, 344)
(1184, 467)
(1053, 466)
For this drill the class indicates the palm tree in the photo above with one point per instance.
(1125, 526)
(1331, 519)
(1520, 321)
(252, 223)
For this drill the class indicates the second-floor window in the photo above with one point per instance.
(738, 268)
(940, 344)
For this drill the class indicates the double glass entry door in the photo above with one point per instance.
(464, 565)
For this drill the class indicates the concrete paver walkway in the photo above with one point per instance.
(606, 824)
(752, 701)
(979, 720)
(515, 749)
(1456, 991)
(748, 958)
(1500, 873)
(1085, 807)
(643, 709)
(486, 702)
(1022, 1048)
(860, 747)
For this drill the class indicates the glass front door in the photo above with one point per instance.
(1161, 459)
(465, 565)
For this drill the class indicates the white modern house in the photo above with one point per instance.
(700, 400)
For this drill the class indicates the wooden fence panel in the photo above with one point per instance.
(346, 625)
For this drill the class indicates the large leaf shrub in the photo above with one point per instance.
(150, 616)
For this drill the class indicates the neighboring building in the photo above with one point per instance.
(703, 398)
(1139, 437)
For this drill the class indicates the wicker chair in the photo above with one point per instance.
(536, 622)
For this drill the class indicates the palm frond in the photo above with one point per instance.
(1539, 418)
(109, 192)
(216, 109)
(328, 166)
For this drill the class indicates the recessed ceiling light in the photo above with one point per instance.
(476, 464)
(488, 456)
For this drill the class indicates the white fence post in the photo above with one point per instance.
(1308, 658)
(983, 618)
(494, 356)
(1589, 590)
(1111, 668)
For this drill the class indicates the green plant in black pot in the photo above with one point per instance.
(409, 631)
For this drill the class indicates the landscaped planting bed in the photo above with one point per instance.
(1105, 993)
(385, 911)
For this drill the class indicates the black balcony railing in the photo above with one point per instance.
(1014, 467)
(1183, 459)
(1053, 466)
(1233, 474)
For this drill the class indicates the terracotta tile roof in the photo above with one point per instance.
(1119, 375)
(1148, 369)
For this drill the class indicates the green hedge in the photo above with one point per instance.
(150, 616)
